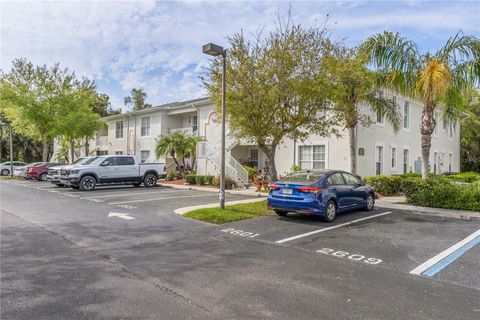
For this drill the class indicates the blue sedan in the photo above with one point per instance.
(320, 192)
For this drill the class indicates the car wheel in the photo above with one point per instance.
(150, 180)
(87, 183)
(43, 177)
(5, 172)
(370, 202)
(330, 211)
(281, 213)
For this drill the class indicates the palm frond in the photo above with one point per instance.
(387, 107)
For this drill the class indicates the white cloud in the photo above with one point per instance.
(157, 45)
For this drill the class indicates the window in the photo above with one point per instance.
(125, 161)
(144, 155)
(145, 131)
(435, 130)
(254, 158)
(379, 118)
(350, 180)
(406, 115)
(118, 152)
(450, 128)
(379, 160)
(394, 158)
(119, 130)
(102, 153)
(450, 160)
(312, 157)
(312, 176)
(406, 157)
(111, 161)
(195, 123)
(435, 162)
(335, 179)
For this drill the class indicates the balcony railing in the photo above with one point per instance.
(188, 130)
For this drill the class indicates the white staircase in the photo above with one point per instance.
(233, 168)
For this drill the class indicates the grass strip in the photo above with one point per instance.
(231, 213)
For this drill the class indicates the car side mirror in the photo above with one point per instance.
(105, 163)
(361, 183)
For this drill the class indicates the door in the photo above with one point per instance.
(337, 186)
(108, 170)
(127, 169)
(356, 190)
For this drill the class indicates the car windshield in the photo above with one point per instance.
(93, 160)
(38, 164)
(304, 176)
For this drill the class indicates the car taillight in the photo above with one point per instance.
(274, 187)
(310, 189)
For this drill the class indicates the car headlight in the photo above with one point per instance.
(74, 171)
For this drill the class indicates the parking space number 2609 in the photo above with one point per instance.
(354, 256)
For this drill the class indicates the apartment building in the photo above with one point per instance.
(379, 149)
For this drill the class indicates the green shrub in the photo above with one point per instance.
(440, 192)
(229, 182)
(468, 176)
(385, 185)
(209, 180)
(200, 180)
(191, 178)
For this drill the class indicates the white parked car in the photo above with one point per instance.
(5, 167)
(22, 171)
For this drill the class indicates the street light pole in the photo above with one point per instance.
(216, 50)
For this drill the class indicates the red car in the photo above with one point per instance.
(40, 171)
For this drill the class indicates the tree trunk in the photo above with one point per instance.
(270, 152)
(426, 129)
(353, 147)
(87, 147)
(45, 151)
(72, 150)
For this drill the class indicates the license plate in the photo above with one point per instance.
(287, 191)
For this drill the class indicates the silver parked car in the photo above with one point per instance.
(5, 167)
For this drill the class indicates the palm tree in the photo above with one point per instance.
(438, 79)
(353, 85)
(177, 145)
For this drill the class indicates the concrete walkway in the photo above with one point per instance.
(398, 202)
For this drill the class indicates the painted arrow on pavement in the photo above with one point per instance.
(120, 215)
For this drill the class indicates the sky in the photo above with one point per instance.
(158, 45)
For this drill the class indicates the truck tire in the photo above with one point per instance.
(150, 180)
(87, 183)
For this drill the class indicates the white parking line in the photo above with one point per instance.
(164, 198)
(303, 235)
(129, 194)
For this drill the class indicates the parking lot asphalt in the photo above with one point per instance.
(126, 246)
